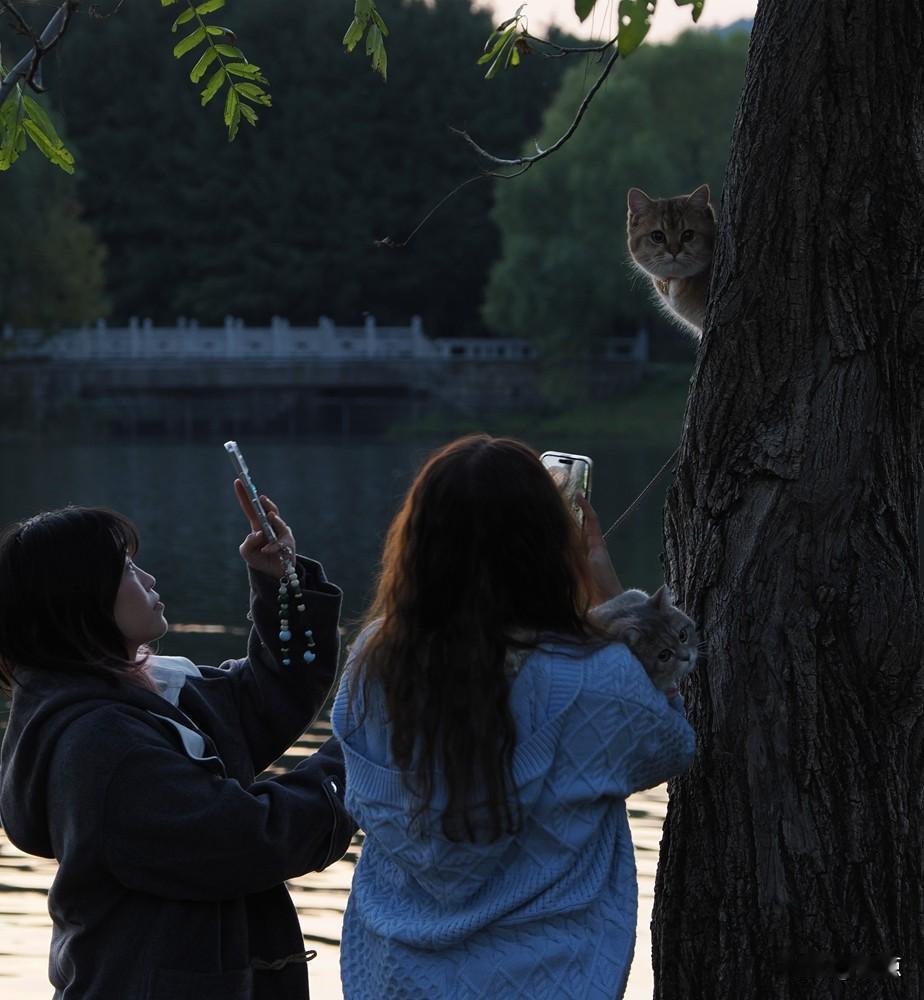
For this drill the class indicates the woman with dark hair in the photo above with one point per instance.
(137, 772)
(491, 735)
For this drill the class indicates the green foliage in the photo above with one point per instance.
(21, 116)
(634, 22)
(502, 49)
(511, 38)
(368, 21)
(51, 261)
(583, 7)
(697, 7)
(663, 123)
(218, 49)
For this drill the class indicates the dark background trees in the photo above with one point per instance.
(283, 221)
(51, 258)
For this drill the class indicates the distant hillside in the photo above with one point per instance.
(742, 24)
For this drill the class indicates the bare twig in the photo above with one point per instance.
(387, 241)
(97, 16)
(566, 50)
(28, 69)
(541, 154)
(523, 163)
(21, 26)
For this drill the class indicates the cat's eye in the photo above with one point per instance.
(665, 655)
(657, 236)
(683, 635)
(687, 235)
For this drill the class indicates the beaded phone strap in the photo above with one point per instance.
(289, 585)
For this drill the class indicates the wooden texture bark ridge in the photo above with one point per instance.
(791, 531)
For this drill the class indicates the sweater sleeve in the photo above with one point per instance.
(277, 703)
(626, 735)
(174, 829)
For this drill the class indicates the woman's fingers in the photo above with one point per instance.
(268, 504)
(257, 551)
(593, 536)
(246, 506)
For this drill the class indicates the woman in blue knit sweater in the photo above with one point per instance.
(491, 736)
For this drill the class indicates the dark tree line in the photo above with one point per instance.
(284, 220)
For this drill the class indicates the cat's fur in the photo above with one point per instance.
(660, 635)
(671, 240)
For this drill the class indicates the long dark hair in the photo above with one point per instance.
(482, 546)
(59, 575)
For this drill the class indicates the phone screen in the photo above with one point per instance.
(243, 473)
(571, 473)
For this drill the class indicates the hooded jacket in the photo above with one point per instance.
(546, 913)
(171, 857)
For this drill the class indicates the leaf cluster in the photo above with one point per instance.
(511, 39)
(368, 21)
(244, 79)
(22, 118)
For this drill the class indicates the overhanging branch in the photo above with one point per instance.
(541, 154)
(566, 50)
(28, 69)
(522, 163)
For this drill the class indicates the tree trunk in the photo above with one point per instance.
(791, 531)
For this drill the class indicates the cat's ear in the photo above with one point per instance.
(700, 197)
(637, 201)
(662, 599)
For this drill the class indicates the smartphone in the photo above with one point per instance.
(243, 473)
(571, 474)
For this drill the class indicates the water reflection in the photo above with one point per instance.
(339, 497)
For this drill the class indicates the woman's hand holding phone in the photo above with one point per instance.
(255, 551)
(606, 582)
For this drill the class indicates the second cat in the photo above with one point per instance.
(659, 634)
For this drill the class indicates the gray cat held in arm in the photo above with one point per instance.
(659, 634)
(671, 241)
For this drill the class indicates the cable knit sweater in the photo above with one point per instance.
(549, 912)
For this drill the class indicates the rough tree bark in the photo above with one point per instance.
(791, 529)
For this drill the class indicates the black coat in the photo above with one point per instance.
(172, 862)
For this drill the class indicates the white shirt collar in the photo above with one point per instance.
(169, 674)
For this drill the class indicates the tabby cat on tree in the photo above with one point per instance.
(671, 240)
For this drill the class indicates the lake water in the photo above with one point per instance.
(339, 497)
